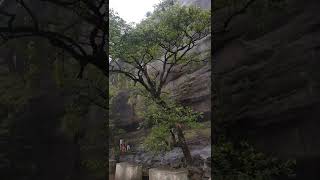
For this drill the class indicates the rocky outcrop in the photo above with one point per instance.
(174, 159)
(191, 86)
(268, 82)
(193, 89)
(122, 112)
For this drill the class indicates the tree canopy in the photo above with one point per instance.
(148, 52)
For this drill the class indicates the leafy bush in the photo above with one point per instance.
(163, 120)
(242, 161)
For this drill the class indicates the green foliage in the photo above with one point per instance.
(92, 165)
(242, 161)
(117, 27)
(157, 141)
(174, 114)
(13, 92)
(117, 82)
(168, 25)
(163, 120)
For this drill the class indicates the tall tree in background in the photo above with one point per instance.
(149, 52)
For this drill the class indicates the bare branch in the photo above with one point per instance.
(239, 12)
(31, 14)
(90, 13)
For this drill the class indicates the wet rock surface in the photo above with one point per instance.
(268, 81)
(174, 159)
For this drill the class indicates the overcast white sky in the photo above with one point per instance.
(132, 10)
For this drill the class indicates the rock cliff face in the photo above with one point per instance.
(268, 82)
(192, 86)
(123, 112)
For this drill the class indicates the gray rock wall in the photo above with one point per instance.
(122, 112)
(192, 85)
(268, 84)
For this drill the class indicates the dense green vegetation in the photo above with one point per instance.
(161, 120)
(242, 161)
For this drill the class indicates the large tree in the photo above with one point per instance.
(150, 51)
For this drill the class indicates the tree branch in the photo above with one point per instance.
(239, 12)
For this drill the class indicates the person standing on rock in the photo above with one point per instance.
(128, 147)
(120, 143)
(122, 146)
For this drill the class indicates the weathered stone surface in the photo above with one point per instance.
(173, 159)
(268, 83)
(128, 171)
(127, 119)
(195, 172)
(193, 89)
(191, 86)
(272, 83)
(168, 174)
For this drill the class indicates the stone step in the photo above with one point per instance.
(128, 171)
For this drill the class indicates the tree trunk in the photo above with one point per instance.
(173, 139)
(114, 149)
(183, 145)
(181, 140)
(116, 154)
(77, 154)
